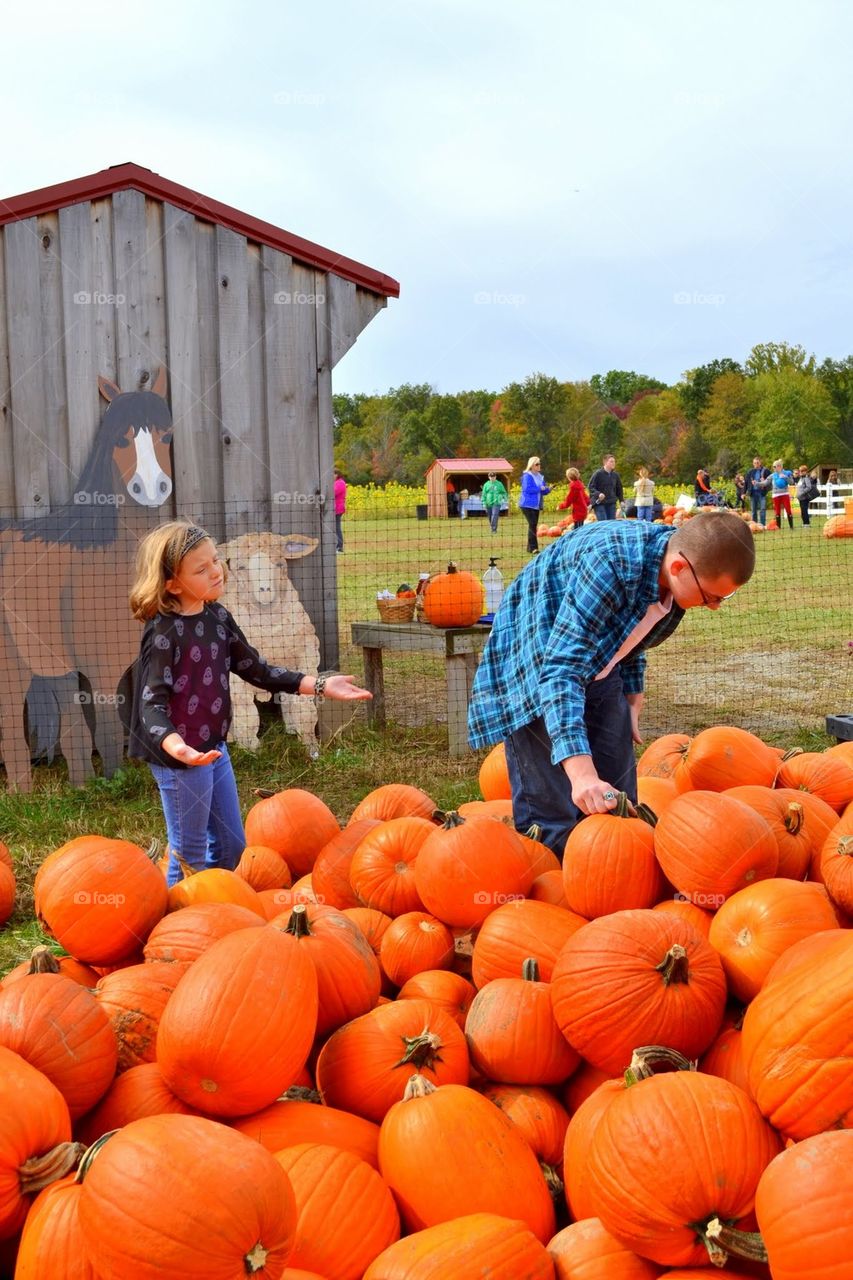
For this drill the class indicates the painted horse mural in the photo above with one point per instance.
(64, 584)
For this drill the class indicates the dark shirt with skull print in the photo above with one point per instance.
(181, 681)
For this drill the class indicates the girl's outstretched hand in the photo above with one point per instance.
(344, 689)
(175, 747)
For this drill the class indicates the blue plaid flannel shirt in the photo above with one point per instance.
(559, 624)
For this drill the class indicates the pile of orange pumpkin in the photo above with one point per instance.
(416, 1046)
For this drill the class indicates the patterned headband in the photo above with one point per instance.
(193, 536)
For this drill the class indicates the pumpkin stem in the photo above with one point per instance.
(791, 752)
(452, 819)
(418, 1087)
(674, 966)
(844, 848)
(186, 869)
(300, 1093)
(263, 793)
(452, 567)
(255, 1260)
(421, 1050)
(43, 961)
(648, 1056)
(298, 924)
(534, 832)
(152, 853)
(89, 1155)
(553, 1181)
(722, 1237)
(793, 819)
(438, 816)
(530, 969)
(646, 813)
(40, 1171)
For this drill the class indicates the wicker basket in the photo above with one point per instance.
(396, 610)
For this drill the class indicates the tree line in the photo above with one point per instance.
(779, 403)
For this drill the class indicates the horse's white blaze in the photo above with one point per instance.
(151, 485)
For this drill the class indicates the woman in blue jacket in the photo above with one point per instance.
(533, 490)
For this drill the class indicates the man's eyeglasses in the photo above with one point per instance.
(708, 601)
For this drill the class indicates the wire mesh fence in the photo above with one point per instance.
(776, 659)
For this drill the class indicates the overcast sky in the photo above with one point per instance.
(558, 187)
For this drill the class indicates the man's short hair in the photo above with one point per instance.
(717, 542)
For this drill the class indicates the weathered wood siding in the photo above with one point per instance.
(123, 285)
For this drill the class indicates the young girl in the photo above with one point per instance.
(644, 489)
(181, 709)
(780, 481)
(577, 499)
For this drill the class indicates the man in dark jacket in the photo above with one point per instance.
(757, 483)
(605, 489)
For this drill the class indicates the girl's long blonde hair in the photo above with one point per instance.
(157, 560)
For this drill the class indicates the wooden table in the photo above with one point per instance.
(460, 647)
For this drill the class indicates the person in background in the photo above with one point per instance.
(740, 491)
(494, 494)
(757, 484)
(832, 493)
(577, 499)
(452, 500)
(644, 490)
(605, 489)
(780, 480)
(702, 486)
(807, 491)
(533, 490)
(463, 504)
(340, 509)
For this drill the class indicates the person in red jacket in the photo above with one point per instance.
(577, 499)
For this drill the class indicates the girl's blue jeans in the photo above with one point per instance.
(202, 813)
(645, 513)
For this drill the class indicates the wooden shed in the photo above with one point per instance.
(122, 284)
(463, 473)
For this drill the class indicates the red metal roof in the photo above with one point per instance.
(471, 464)
(123, 176)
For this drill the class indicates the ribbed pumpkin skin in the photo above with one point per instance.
(724, 756)
(609, 865)
(512, 1036)
(393, 800)
(345, 1214)
(826, 776)
(672, 1151)
(215, 884)
(360, 1069)
(134, 1000)
(414, 943)
(453, 599)
(755, 925)
(296, 823)
(373, 925)
(443, 989)
(836, 862)
(664, 758)
(59, 1028)
(586, 1251)
(52, 1244)
(548, 887)
(578, 1141)
(8, 889)
(679, 906)
(798, 1042)
(725, 1058)
(494, 776)
(803, 1209)
(609, 997)
(35, 1120)
(263, 868)
(536, 1113)
(709, 846)
(453, 1153)
(254, 987)
(291, 1121)
(347, 971)
(463, 871)
(478, 1244)
(99, 898)
(656, 793)
(517, 930)
(330, 873)
(133, 1095)
(382, 871)
(786, 819)
(172, 1230)
(182, 936)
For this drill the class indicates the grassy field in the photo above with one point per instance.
(774, 660)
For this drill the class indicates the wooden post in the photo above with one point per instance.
(374, 680)
(461, 668)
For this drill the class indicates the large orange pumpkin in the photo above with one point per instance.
(182, 936)
(799, 826)
(466, 868)
(133, 1095)
(52, 1246)
(444, 990)
(290, 1121)
(709, 846)
(99, 898)
(679, 906)
(413, 943)
(348, 974)
(296, 823)
(511, 1033)
(802, 1205)
(394, 800)
(255, 987)
(540, 1119)
(215, 884)
(493, 776)
(453, 599)
(382, 870)
(724, 756)
(827, 776)
(664, 758)
(330, 873)
(35, 1138)
(835, 862)
(502, 1248)
(263, 868)
(43, 960)
(134, 999)
(242, 1224)
(517, 930)
(447, 1152)
(609, 865)
(585, 1251)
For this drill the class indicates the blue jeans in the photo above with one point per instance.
(541, 792)
(202, 815)
(339, 533)
(494, 515)
(759, 507)
(645, 513)
(605, 511)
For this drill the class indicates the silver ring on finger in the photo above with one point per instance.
(610, 795)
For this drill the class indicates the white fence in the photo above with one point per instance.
(830, 501)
